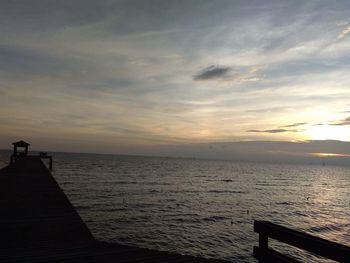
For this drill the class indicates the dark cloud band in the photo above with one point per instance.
(294, 125)
(343, 122)
(273, 131)
(212, 72)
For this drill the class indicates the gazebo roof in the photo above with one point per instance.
(21, 144)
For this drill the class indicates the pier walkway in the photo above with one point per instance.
(39, 224)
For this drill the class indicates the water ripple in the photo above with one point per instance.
(203, 207)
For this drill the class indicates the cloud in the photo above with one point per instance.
(294, 125)
(344, 33)
(17, 60)
(53, 14)
(88, 58)
(271, 109)
(343, 122)
(273, 131)
(234, 74)
(212, 72)
(342, 23)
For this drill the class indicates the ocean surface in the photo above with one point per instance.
(202, 207)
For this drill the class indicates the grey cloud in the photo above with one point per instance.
(272, 109)
(294, 125)
(212, 72)
(343, 122)
(19, 60)
(113, 16)
(273, 131)
(52, 14)
(303, 22)
(152, 15)
(303, 66)
(82, 73)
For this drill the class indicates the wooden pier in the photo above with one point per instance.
(39, 224)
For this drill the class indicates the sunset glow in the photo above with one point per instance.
(329, 132)
(330, 155)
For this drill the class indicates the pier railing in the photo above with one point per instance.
(43, 155)
(315, 245)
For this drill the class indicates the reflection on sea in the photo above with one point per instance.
(203, 207)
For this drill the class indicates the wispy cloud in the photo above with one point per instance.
(271, 109)
(150, 76)
(342, 23)
(344, 33)
(212, 72)
(297, 124)
(273, 131)
(343, 122)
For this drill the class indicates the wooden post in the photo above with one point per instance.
(298, 239)
(263, 241)
(50, 165)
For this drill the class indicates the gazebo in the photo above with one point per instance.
(17, 154)
(20, 144)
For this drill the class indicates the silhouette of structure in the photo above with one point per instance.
(39, 224)
(316, 245)
(18, 153)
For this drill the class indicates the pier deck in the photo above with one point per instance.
(39, 224)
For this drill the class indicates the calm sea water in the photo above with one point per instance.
(202, 207)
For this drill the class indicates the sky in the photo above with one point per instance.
(176, 77)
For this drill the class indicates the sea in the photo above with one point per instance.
(203, 207)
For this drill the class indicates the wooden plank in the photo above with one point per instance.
(29, 197)
(316, 245)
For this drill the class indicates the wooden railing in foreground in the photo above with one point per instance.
(315, 245)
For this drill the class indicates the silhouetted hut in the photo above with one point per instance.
(23, 146)
(20, 144)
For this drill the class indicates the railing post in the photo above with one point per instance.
(298, 239)
(263, 241)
